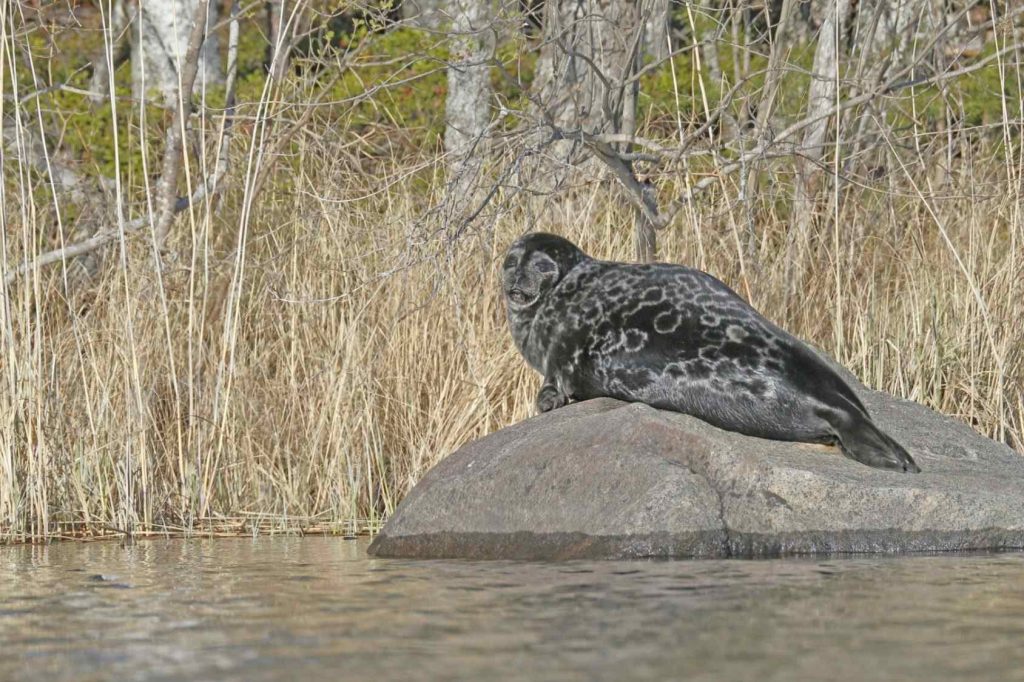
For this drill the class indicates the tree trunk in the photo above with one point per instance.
(585, 101)
(590, 51)
(467, 106)
(428, 14)
(884, 42)
(821, 96)
(159, 41)
(657, 24)
(584, 87)
(885, 30)
(779, 37)
(276, 59)
(115, 51)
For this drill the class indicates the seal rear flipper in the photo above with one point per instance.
(861, 440)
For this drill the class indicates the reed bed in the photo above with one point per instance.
(312, 377)
(313, 341)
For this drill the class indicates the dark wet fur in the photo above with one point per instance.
(679, 339)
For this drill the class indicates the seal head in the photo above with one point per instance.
(534, 265)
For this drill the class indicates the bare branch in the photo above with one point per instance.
(637, 193)
(639, 196)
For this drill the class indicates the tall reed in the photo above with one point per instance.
(313, 341)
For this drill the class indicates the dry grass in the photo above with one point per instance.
(308, 352)
(308, 381)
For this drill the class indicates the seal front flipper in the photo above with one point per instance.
(550, 398)
(861, 440)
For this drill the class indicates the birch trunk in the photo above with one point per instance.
(468, 103)
(467, 106)
(887, 38)
(821, 96)
(657, 22)
(428, 14)
(116, 49)
(885, 31)
(769, 95)
(590, 50)
(159, 41)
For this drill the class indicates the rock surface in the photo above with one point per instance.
(605, 479)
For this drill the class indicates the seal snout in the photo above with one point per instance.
(520, 297)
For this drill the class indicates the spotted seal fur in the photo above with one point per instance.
(677, 339)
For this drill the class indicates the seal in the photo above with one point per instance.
(677, 339)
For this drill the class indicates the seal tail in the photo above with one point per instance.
(861, 440)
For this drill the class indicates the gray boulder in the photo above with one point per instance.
(604, 479)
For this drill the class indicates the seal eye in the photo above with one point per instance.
(509, 263)
(545, 266)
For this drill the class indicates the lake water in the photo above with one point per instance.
(318, 609)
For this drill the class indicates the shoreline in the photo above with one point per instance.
(87, 533)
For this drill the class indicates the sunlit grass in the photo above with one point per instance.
(315, 341)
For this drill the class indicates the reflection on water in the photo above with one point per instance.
(318, 608)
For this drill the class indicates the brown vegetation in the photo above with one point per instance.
(317, 336)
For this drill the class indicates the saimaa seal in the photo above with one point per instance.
(677, 339)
